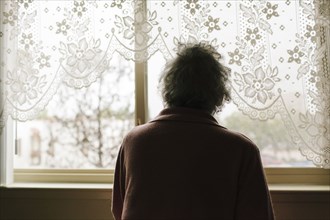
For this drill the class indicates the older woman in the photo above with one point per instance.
(183, 164)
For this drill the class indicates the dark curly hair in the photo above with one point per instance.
(195, 79)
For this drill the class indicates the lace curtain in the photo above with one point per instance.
(278, 52)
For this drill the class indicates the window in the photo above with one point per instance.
(81, 128)
(270, 136)
(77, 81)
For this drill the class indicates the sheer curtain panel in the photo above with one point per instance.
(278, 53)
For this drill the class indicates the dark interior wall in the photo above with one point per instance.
(95, 204)
(49, 204)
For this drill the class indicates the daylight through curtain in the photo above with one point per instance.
(278, 53)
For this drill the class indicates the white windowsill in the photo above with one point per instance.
(61, 185)
(272, 187)
(65, 176)
(298, 187)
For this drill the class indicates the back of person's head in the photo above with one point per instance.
(195, 79)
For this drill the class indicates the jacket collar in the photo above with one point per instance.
(189, 115)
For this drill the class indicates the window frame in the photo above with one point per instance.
(101, 176)
(278, 175)
(275, 175)
(6, 153)
(8, 175)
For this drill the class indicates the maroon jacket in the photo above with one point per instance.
(184, 165)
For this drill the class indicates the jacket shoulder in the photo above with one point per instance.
(239, 139)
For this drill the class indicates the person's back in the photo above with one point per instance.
(184, 165)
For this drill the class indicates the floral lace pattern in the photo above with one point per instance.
(277, 51)
(259, 86)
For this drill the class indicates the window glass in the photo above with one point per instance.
(81, 128)
(271, 137)
(155, 67)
